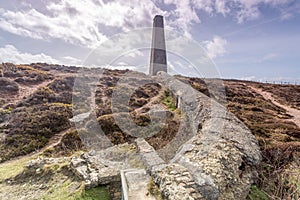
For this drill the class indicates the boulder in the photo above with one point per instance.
(7, 85)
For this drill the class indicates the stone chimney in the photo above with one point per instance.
(158, 60)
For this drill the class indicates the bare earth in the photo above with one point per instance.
(291, 111)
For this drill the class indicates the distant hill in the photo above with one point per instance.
(36, 105)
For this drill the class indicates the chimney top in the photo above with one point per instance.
(158, 21)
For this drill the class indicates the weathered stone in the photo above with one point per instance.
(173, 187)
(7, 85)
(216, 159)
(148, 154)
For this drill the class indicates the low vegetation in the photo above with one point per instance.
(153, 189)
(28, 124)
(169, 101)
(96, 193)
(49, 181)
(285, 94)
(278, 138)
(30, 128)
(257, 194)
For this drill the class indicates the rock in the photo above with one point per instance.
(4, 116)
(7, 85)
(76, 162)
(176, 182)
(218, 153)
(148, 154)
(103, 167)
(38, 171)
(40, 162)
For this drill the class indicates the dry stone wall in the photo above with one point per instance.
(217, 162)
(212, 157)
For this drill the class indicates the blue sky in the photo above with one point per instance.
(246, 39)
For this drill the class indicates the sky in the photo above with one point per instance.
(245, 39)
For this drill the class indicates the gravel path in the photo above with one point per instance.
(291, 111)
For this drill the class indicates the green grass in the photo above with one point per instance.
(154, 190)
(60, 183)
(12, 168)
(98, 193)
(257, 194)
(169, 101)
(62, 191)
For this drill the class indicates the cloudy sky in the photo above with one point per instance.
(246, 39)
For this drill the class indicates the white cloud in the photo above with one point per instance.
(290, 12)
(221, 7)
(9, 53)
(68, 60)
(122, 67)
(279, 80)
(248, 78)
(135, 53)
(86, 23)
(184, 14)
(216, 47)
(268, 57)
(246, 10)
(89, 22)
(247, 13)
(187, 12)
(286, 16)
(249, 9)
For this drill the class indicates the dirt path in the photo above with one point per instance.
(55, 140)
(291, 111)
(24, 91)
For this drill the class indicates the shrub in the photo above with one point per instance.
(30, 129)
(169, 101)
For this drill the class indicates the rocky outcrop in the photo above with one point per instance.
(103, 167)
(176, 182)
(210, 171)
(219, 159)
(212, 156)
(148, 154)
(93, 173)
(7, 85)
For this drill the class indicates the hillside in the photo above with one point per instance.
(36, 105)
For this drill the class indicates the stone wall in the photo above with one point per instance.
(115, 190)
(216, 153)
(212, 156)
(95, 175)
(103, 167)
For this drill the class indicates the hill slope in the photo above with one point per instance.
(36, 105)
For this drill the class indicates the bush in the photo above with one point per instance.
(69, 144)
(169, 101)
(31, 128)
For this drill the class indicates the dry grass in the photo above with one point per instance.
(12, 168)
(278, 137)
